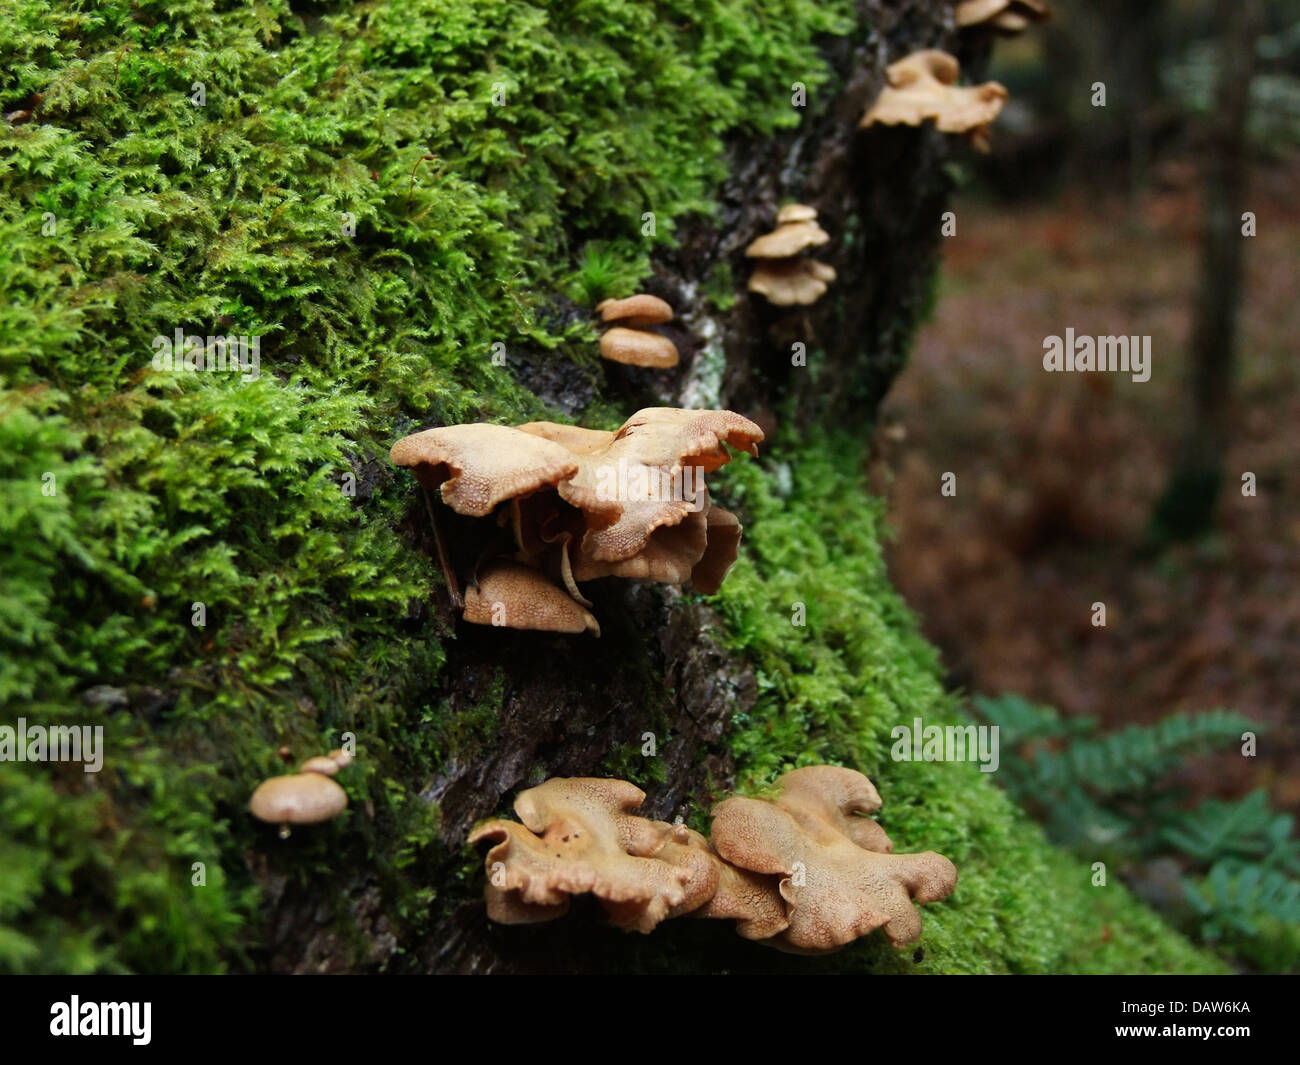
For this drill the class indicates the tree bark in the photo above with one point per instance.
(1187, 507)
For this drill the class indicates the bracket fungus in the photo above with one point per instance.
(1007, 17)
(838, 878)
(924, 86)
(807, 872)
(628, 341)
(579, 835)
(581, 504)
(305, 797)
(782, 274)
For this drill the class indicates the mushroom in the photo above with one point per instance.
(837, 881)
(579, 835)
(1007, 17)
(782, 275)
(635, 347)
(582, 504)
(629, 343)
(329, 764)
(924, 86)
(477, 466)
(515, 596)
(297, 799)
(638, 483)
(635, 311)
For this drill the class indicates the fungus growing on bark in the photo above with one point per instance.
(583, 504)
(635, 311)
(782, 275)
(580, 835)
(298, 798)
(474, 467)
(628, 341)
(924, 86)
(1007, 17)
(836, 881)
(514, 596)
(636, 347)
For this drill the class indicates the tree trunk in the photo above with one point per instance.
(1187, 507)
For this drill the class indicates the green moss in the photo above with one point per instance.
(833, 688)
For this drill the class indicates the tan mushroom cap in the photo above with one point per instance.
(320, 764)
(477, 466)
(340, 757)
(648, 454)
(298, 799)
(638, 310)
(750, 899)
(670, 554)
(580, 835)
(1009, 16)
(795, 212)
(842, 798)
(514, 596)
(923, 86)
(847, 890)
(635, 347)
(787, 240)
(791, 282)
(576, 439)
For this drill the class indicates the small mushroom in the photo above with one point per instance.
(782, 275)
(319, 764)
(635, 311)
(1007, 17)
(580, 835)
(924, 86)
(795, 212)
(835, 885)
(631, 344)
(635, 347)
(297, 799)
(791, 282)
(514, 596)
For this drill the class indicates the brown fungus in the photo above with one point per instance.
(297, 799)
(514, 596)
(635, 311)
(628, 341)
(835, 886)
(477, 466)
(1007, 17)
(580, 835)
(782, 275)
(924, 86)
(636, 347)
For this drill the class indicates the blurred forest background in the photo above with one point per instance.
(1076, 489)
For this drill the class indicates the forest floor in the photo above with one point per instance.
(1057, 474)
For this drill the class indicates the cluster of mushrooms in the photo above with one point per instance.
(305, 797)
(806, 872)
(784, 275)
(628, 340)
(581, 504)
(924, 86)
